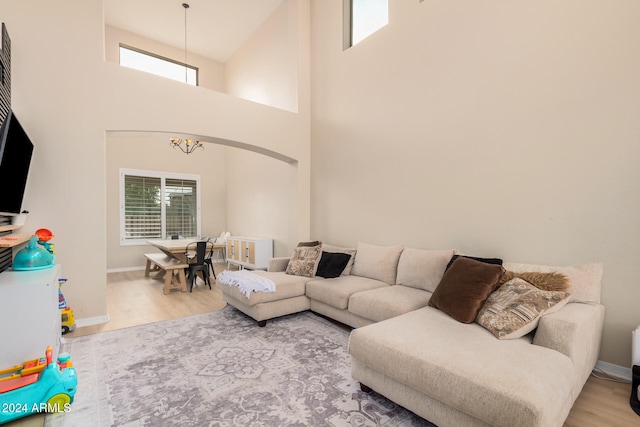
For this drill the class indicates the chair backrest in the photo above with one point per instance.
(200, 249)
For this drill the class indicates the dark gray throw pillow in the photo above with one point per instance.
(494, 261)
(332, 264)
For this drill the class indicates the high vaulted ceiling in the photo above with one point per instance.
(215, 28)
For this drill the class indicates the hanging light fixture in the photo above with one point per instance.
(187, 146)
(186, 6)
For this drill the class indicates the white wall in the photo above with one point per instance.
(152, 152)
(498, 128)
(261, 70)
(210, 72)
(68, 97)
(259, 198)
(263, 193)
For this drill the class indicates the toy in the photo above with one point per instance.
(44, 235)
(68, 320)
(39, 385)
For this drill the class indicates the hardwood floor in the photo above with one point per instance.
(135, 300)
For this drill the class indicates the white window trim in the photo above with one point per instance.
(163, 176)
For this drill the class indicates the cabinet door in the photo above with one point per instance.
(29, 315)
(237, 251)
(249, 252)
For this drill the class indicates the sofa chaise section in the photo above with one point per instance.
(288, 298)
(459, 374)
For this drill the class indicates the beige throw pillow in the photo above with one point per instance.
(515, 308)
(304, 261)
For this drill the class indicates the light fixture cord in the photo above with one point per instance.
(186, 6)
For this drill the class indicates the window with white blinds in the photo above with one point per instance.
(157, 205)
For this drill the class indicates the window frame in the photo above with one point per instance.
(163, 176)
(160, 57)
(347, 24)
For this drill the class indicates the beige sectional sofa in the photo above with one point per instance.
(419, 354)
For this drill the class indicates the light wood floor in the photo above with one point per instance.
(134, 300)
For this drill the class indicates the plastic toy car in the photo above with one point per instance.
(68, 320)
(39, 385)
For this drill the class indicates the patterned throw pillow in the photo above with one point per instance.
(304, 261)
(515, 308)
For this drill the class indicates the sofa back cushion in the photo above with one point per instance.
(585, 281)
(377, 262)
(422, 269)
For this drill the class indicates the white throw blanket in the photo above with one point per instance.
(247, 281)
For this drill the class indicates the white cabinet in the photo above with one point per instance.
(249, 252)
(29, 315)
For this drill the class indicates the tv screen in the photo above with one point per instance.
(15, 157)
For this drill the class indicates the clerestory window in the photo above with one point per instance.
(363, 18)
(158, 65)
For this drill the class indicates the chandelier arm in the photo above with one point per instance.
(189, 145)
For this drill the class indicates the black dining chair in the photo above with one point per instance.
(196, 253)
(208, 259)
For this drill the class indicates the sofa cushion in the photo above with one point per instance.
(338, 249)
(515, 308)
(336, 292)
(332, 264)
(422, 269)
(304, 261)
(287, 286)
(465, 286)
(498, 382)
(585, 281)
(387, 302)
(377, 262)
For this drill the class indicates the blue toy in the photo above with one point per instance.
(39, 385)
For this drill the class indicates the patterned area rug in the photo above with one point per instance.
(221, 369)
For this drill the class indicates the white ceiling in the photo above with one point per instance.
(215, 28)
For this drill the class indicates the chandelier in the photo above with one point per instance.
(189, 144)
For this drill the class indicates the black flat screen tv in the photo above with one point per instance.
(16, 150)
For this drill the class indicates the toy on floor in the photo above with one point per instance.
(68, 321)
(38, 385)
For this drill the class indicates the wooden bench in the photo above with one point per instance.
(171, 268)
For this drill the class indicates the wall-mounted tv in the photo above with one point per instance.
(15, 158)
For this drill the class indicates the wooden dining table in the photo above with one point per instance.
(177, 248)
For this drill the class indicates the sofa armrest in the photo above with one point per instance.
(278, 264)
(575, 331)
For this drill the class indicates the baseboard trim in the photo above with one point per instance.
(123, 269)
(90, 321)
(614, 370)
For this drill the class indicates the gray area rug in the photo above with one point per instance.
(221, 369)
